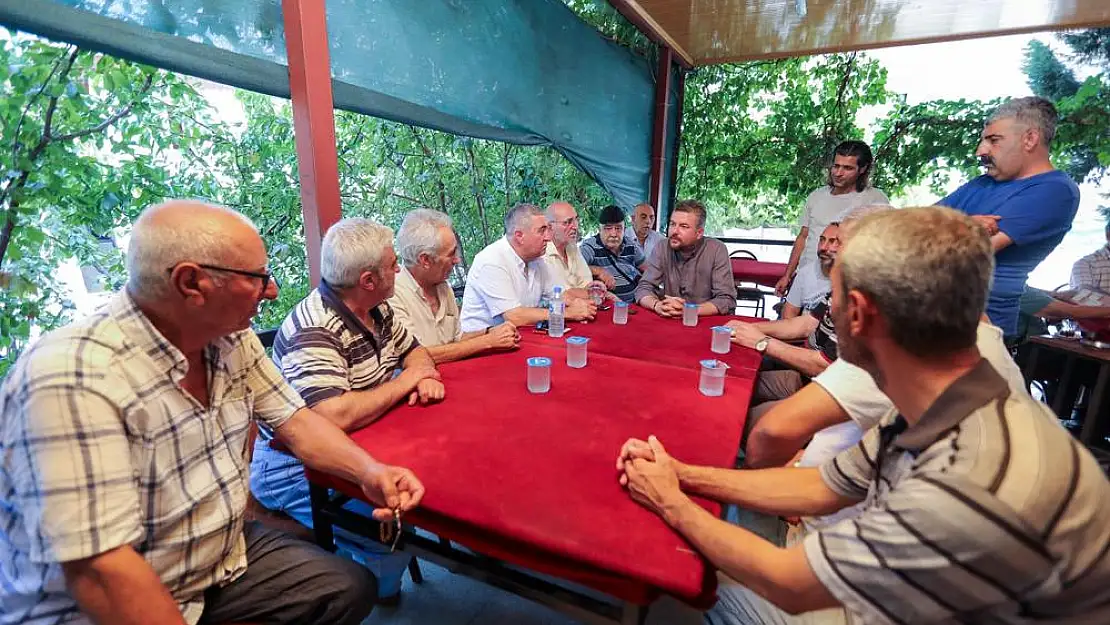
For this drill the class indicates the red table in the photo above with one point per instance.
(759, 272)
(647, 336)
(530, 479)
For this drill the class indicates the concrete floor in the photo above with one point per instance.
(448, 599)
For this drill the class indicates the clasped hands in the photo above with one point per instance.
(426, 384)
(669, 307)
(651, 476)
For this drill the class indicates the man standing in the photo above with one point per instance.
(614, 254)
(339, 348)
(1026, 205)
(848, 187)
(953, 528)
(424, 302)
(643, 229)
(123, 451)
(509, 278)
(690, 268)
(770, 338)
(1093, 270)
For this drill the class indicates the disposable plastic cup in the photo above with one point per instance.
(539, 374)
(721, 342)
(576, 351)
(689, 314)
(620, 313)
(711, 383)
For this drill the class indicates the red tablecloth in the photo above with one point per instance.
(648, 336)
(531, 478)
(759, 272)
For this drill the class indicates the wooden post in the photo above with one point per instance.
(659, 128)
(306, 43)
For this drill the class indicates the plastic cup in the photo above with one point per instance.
(620, 313)
(539, 374)
(576, 351)
(721, 342)
(597, 294)
(689, 314)
(711, 383)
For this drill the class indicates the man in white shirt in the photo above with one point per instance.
(565, 264)
(509, 278)
(424, 302)
(643, 229)
(847, 188)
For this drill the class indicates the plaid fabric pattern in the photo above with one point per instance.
(1092, 271)
(100, 447)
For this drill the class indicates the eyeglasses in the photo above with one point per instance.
(568, 222)
(266, 277)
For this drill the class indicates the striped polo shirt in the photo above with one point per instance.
(986, 511)
(323, 353)
(624, 267)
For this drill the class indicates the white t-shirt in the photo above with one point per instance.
(500, 280)
(821, 209)
(866, 405)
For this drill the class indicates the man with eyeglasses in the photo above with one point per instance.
(340, 348)
(977, 506)
(124, 451)
(565, 264)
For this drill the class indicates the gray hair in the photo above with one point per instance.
(158, 244)
(928, 271)
(518, 215)
(419, 234)
(1031, 112)
(352, 246)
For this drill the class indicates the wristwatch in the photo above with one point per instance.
(761, 344)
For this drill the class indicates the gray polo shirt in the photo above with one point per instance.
(987, 511)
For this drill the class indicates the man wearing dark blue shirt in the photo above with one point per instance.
(1024, 202)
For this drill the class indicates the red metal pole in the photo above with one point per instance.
(306, 44)
(659, 129)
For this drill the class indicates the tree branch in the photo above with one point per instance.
(115, 117)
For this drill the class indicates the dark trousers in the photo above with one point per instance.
(290, 581)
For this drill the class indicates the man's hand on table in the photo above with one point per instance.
(503, 337)
(428, 391)
(651, 476)
(581, 310)
(670, 307)
(395, 488)
(745, 334)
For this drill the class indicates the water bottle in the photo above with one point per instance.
(556, 323)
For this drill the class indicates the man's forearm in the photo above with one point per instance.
(782, 576)
(119, 587)
(525, 316)
(809, 362)
(458, 350)
(788, 329)
(779, 491)
(322, 446)
(357, 409)
(796, 251)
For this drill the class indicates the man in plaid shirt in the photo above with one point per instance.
(123, 451)
(1093, 270)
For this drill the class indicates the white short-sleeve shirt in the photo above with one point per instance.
(866, 405)
(500, 280)
(412, 310)
(572, 274)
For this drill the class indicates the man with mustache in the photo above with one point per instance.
(565, 264)
(690, 268)
(770, 338)
(614, 253)
(848, 187)
(644, 234)
(1026, 205)
(977, 506)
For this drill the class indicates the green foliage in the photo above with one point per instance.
(1048, 76)
(1090, 46)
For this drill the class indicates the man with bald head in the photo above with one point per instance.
(124, 460)
(643, 229)
(565, 264)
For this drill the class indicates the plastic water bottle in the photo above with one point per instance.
(556, 311)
